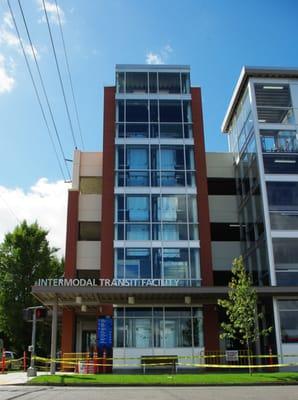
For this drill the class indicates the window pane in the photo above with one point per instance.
(282, 196)
(137, 158)
(153, 82)
(195, 267)
(120, 158)
(91, 185)
(171, 208)
(138, 263)
(187, 116)
(289, 321)
(137, 232)
(136, 130)
(285, 253)
(175, 264)
(169, 82)
(171, 131)
(136, 111)
(136, 82)
(171, 158)
(120, 82)
(137, 178)
(284, 220)
(277, 163)
(185, 83)
(279, 141)
(188, 131)
(89, 231)
(170, 111)
(119, 332)
(174, 232)
(137, 208)
(153, 111)
(120, 111)
(192, 209)
(190, 160)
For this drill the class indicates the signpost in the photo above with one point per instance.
(232, 356)
(104, 333)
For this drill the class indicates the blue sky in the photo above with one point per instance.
(215, 37)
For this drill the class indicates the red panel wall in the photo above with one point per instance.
(210, 317)
(201, 180)
(107, 223)
(71, 234)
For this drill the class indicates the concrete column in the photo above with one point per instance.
(54, 337)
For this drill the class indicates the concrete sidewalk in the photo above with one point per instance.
(16, 378)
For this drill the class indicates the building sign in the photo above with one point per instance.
(76, 282)
(104, 333)
(232, 355)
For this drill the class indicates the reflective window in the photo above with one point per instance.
(136, 82)
(158, 327)
(185, 83)
(132, 263)
(286, 260)
(170, 111)
(137, 130)
(282, 196)
(136, 111)
(137, 158)
(120, 82)
(277, 141)
(288, 311)
(153, 82)
(277, 163)
(169, 82)
(137, 208)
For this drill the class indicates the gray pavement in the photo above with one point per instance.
(149, 393)
(15, 378)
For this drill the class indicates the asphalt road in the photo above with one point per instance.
(150, 393)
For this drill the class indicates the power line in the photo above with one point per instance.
(9, 208)
(43, 88)
(69, 76)
(59, 74)
(35, 88)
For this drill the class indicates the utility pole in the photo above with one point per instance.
(32, 370)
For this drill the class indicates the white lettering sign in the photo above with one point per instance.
(76, 282)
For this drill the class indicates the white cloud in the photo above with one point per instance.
(152, 58)
(45, 202)
(52, 12)
(7, 20)
(161, 57)
(9, 38)
(7, 82)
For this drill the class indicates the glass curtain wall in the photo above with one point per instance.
(156, 151)
(158, 327)
(251, 216)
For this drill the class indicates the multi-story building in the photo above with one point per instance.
(154, 222)
(261, 123)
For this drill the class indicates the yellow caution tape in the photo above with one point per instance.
(198, 365)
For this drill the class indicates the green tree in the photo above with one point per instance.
(241, 309)
(25, 256)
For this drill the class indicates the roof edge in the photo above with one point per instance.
(253, 72)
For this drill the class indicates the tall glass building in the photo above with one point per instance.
(261, 123)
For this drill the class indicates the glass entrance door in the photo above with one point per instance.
(88, 341)
(143, 333)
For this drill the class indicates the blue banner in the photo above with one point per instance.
(104, 333)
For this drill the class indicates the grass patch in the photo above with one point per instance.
(183, 379)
